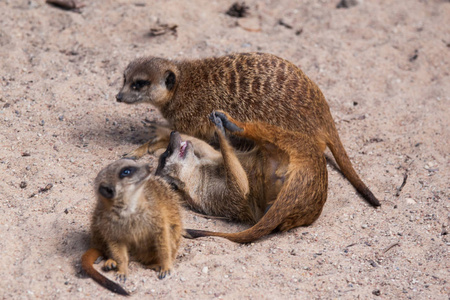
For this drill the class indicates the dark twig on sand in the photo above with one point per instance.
(391, 246)
(399, 189)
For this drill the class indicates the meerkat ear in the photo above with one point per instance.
(170, 80)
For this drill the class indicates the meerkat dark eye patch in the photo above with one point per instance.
(106, 191)
(139, 84)
(170, 80)
(126, 172)
(162, 161)
(174, 186)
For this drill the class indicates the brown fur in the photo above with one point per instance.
(251, 87)
(136, 214)
(284, 174)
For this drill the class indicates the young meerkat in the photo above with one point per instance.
(137, 214)
(279, 185)
(251, 87)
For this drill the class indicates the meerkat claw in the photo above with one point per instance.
(226, 123)
(110, 265)
(163, 274)
(217, 122)
(121, 277)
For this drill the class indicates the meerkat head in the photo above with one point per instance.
(149, 79)
(120, 184)
(179, 165)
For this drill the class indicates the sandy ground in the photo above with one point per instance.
(384, 69)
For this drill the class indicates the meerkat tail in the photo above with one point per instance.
(342, 159)
(285, 207)
(87, 262)
(268, 223)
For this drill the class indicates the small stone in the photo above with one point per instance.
(347, 3)
(205, 270)
(23, 184)
(42, 123)
(364, 226)
(61, 118)
(66, 211)
(250, 24)
(376, 292)
(410, 201)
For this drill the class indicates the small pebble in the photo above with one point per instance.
(61, 118)
(23, 184)
(205, 270)
(364, 226)
(410, 201)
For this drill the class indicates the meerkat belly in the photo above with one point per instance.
(274, 178)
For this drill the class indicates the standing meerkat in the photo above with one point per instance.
(137, 214)
(251, 87)
(279, 185)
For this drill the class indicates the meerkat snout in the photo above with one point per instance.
(119, 97)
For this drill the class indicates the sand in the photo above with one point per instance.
(384, 69)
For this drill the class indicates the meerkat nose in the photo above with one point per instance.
(119, 97)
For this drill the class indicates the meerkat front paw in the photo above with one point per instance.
(223, 117)
(121, 276)
(109, 265)
(217, 121)
(163, 273)
(159, 138)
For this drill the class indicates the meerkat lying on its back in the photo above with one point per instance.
(137, 214)
(279, 185)
(251, 87)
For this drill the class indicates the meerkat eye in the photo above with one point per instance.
(127, 171)
(174, 186)
(139, 84)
